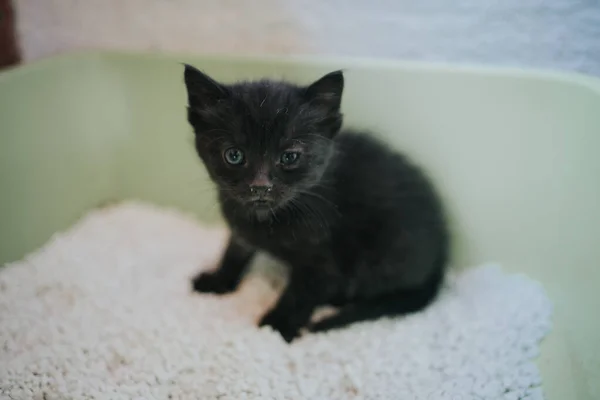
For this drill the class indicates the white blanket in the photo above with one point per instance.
(105, 311)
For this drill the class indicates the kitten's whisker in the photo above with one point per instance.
(273, 214)
(320, 218)
(310, 215)
(295, 206)
(318, 196)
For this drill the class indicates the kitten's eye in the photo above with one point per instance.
(289, 157)
(234, 156)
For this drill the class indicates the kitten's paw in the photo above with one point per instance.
(211, 282)
(281, 324)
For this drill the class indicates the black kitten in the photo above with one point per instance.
(360, 227)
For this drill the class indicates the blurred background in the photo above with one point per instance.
(549, 34)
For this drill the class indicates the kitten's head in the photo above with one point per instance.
(264, 142)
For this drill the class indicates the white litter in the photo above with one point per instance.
(105, 311)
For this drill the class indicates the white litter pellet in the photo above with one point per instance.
(105, 311)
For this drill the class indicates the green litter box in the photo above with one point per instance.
(516, 155)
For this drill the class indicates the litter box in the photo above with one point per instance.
(515, 154)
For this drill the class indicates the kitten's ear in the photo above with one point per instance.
(327, 91)
(203, 91)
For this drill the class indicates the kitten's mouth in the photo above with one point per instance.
(261, 203)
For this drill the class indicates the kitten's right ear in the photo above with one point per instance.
(327, 91)
(203, 91)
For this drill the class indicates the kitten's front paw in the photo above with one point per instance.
(282, 324)
(211, 282)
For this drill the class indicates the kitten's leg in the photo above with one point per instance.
(306, 290)
(401, 302)
(229, 274)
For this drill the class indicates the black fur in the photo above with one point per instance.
(359, 225)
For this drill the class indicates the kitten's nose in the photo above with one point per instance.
(261, 190)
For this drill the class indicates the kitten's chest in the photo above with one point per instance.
(284, 236)
(282, 240)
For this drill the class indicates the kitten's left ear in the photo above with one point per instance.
(203, 91)
(327, 91)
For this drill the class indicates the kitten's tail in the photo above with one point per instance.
(395, 303)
